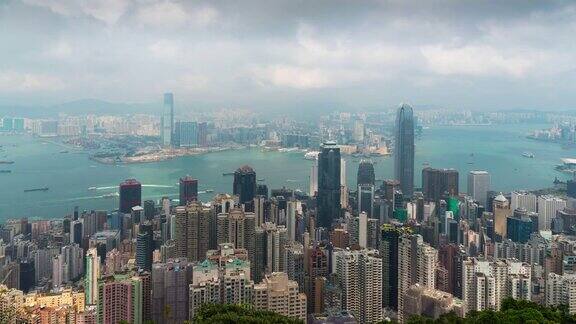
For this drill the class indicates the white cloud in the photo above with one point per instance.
(108, 11)
(480, 60)
(165, 50)
(291, 77)
(162, 14)
(11, 81)
(204, 15)
(60, 50)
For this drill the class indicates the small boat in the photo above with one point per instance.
(529, 155)
(36, 189)
(5, 171)
(225, 174)
(63, 152)
(209, 190)
(260, 180)
(92, 188)
(110, 195)
(6, 162)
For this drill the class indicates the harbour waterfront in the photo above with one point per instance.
(38, 164)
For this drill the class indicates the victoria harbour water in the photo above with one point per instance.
(497, 149)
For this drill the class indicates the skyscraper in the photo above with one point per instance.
(439, 183)
(188, 190)
(501, 213)
(170, 291)
(314, 179)
(360, 277)
(245, 186)
(366, 199)
(130, 195)
(192, 231)
(389, 253)
(404, 149)
(328, 184)
(145, 246)
(365, 173)
(416, 264)
(167, 121)
(478, 186)
(548, 206)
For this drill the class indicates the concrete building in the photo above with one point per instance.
(501, 212)
(417, 263)
(192, 231)
(561, 290)
(170, 291)
(429, 302)
(360, 277)
(278, 294)
(485, 283)
(523, 199)
(548, 206)
(120, 299)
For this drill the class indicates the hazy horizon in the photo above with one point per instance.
(273, 56)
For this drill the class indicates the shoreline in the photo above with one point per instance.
(159, 156)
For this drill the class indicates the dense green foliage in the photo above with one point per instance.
(239, 314)
(512, 312)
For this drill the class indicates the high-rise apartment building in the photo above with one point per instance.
(548, 206)
(417, 263)
(192, 230)
(281, 295)
(404, 149)
(170, 291)
(120, 299)
(92, 275)
(214, 284)
(525, 200)
(360, 277)
(561, 290)
(485, 284)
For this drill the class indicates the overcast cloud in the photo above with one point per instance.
(442, 53)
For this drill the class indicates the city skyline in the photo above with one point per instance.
(242, 161)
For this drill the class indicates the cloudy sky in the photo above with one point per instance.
(358, 54)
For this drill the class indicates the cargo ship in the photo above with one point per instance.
(36, 189)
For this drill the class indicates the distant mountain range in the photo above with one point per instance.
(83, 106)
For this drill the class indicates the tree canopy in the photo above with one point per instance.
(512, 312)
(212, 313)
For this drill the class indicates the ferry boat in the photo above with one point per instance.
(312, 155)
(36, 189)
(529, 155)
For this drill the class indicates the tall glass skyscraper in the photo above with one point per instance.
(404, 149)
(328, 184)
(167, 122)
